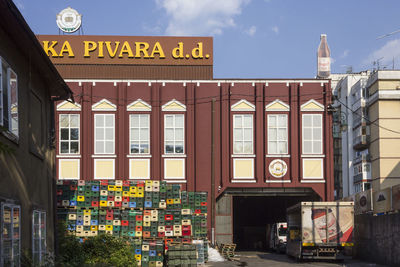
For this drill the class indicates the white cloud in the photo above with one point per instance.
(200, 17)
(251, 31)
(387, 52)
(275, 29)
(345, 53)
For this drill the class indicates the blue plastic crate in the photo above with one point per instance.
(94, 222)
(138, 251)
(79, 222)
(72, 203)
(95, 188)
(148, 204)
(152, 253)
(132, 204)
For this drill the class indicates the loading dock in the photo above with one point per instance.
(243, 214)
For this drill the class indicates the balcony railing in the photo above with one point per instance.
(362, 158)
(361, 142)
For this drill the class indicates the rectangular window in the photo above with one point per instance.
(312, 134)
(38, 236)
(10, 244)
(139, 133)
(69, 133)
(8, 98)
(277, 134)
(174, 134)
(104, 134)
(243, 134)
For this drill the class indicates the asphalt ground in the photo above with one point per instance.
(261, 259)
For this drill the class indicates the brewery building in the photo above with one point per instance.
(148, 108)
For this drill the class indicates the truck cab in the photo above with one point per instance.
(277, 237)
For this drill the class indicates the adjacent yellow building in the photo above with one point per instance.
(384, 119)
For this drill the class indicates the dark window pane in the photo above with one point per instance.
(134, 148)
(64, 134)
(178, 149)
(75, 134)
(169, 149)
(74, 147)
(64, 147)
(144, 148)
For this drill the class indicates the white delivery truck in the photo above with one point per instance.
(320, 230)
(276, 236)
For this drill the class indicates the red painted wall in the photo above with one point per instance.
(197, 96)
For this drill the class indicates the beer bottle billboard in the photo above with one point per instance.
(324, 58)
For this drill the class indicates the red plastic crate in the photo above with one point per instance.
(125, 183)
(169, 228)
(203, 204)
(139, 217)
(95, 203)
(110, 198)
(186, 227)
(197, 211)
(117, 204)
(103, 182)
(169, 217)
(109, 217)
(125, 199)
(73, 187)
(186, 232)
(138, 228)
(109, 212)
(161, 234)
(125, 223)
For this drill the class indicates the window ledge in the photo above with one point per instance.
(10, 136)
(310, 180)
(68, 156)
(243, 156)
(104, 156)
(173, 155)
(138, 156)
(175, 181)
(277, 156)
(312, 156)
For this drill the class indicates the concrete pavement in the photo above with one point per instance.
(261, 259)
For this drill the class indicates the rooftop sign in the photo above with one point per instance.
(128, 50)
(69, 20)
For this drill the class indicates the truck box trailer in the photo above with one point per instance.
(320, 230)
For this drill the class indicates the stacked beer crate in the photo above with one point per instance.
(144, 212)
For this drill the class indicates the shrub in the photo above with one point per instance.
(101, 250)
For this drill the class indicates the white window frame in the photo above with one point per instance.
(12, 130)
(312, 135)
(139, 127)
(41, 235)
(277, 139)
(69, 128)
(104, 139)
(174, 128)
(243, 129)
(13, 256)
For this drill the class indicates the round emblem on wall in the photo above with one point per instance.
(278, 168)
(69, 20)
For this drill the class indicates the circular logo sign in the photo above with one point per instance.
(69, 20)
(277, 168)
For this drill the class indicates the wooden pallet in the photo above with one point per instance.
(227, 251)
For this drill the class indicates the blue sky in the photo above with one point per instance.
(252, 38)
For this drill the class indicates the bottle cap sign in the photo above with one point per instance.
(69, 20)
(277, 168)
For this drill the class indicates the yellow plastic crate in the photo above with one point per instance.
(80, 198)
(111, 188)
(103, 203)
(109, 227)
